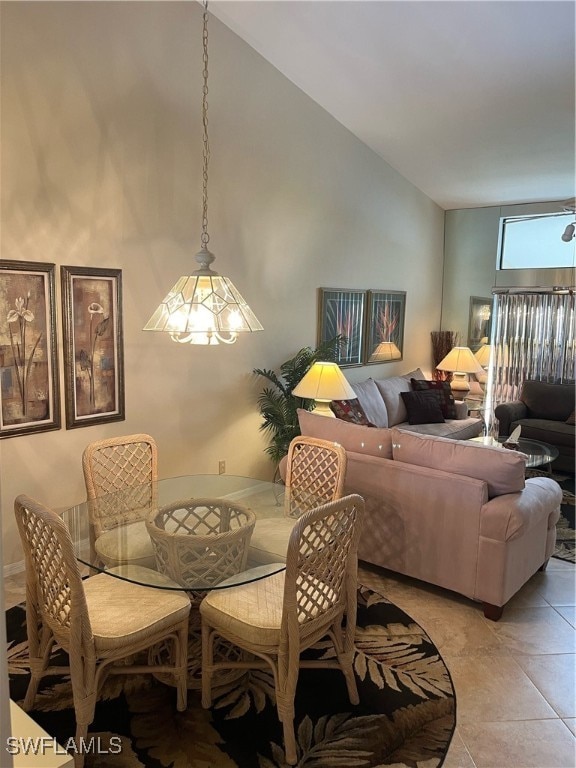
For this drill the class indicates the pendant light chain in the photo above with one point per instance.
(205, 237)
(204, 307)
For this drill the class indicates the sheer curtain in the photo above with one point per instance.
(533, 337)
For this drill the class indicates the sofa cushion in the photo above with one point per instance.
(352, 437)
(503, 471)
(572, 418)
(548, 401)
(371, 401)
(423, 407)
(390, 390)
(443, 391)
(455, 429)
(350, 410)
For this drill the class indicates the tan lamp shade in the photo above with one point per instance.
(460, 361)
(323, 383)
(385, 351)
(483, 355)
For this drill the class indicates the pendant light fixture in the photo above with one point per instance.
(204, 307)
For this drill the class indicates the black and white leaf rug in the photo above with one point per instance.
(406, 716)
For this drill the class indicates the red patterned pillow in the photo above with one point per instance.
(444, 393)
(350, 410)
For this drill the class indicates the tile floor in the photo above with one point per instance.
(515, 679)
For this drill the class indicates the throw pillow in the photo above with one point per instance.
(352, 437)
(350, 410)
(444, 393)
(572, 418)
(423, 407)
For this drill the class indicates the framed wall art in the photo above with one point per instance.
(29, 389)
(93, 345)
(385, 326)
(341, 312)
(479, 322)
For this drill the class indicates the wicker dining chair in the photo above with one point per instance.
(98, 622)
(315, 473)
(120, 475)
(278, 617)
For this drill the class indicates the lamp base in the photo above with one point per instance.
(460, 384)
(322, 408)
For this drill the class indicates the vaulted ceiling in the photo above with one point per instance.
(472, 101)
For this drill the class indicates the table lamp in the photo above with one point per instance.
(384, 352)
(460, 361)
(483, 356)
(323, 383)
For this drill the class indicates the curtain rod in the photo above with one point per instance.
(527, 290)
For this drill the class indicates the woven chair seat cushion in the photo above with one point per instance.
(253, 611)
(269, 541)
(126, 544)
(124, 613)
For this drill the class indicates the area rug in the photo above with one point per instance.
(565, 533)
(406, 716)
(565, 528)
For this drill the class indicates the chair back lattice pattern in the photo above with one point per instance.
(54, 586)
(314, 474)
(321, 565)
(120, 474)
(200, 542)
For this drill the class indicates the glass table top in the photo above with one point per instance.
(187, 517)
(538, 453)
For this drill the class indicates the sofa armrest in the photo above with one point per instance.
(508, 413)
(509, 516)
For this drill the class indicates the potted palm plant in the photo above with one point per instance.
(276, 402)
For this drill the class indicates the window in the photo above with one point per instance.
(535, 242)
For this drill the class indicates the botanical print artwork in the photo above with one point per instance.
(386, 311)
(93, 345)
(479, 322)
(342, 314)
(93, 309)
(27, 354)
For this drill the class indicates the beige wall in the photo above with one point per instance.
(101, 165)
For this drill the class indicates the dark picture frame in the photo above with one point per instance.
(385, 323)
(29, 379)
(479, 321)
(93, 345)
(342, 312)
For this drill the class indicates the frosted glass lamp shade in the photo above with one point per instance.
(203, 309)
(460, 361)
(384, 352)
(323, 383)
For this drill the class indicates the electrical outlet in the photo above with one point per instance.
(221, 467)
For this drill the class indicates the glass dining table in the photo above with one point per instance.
(193, 532)
(130, 516)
